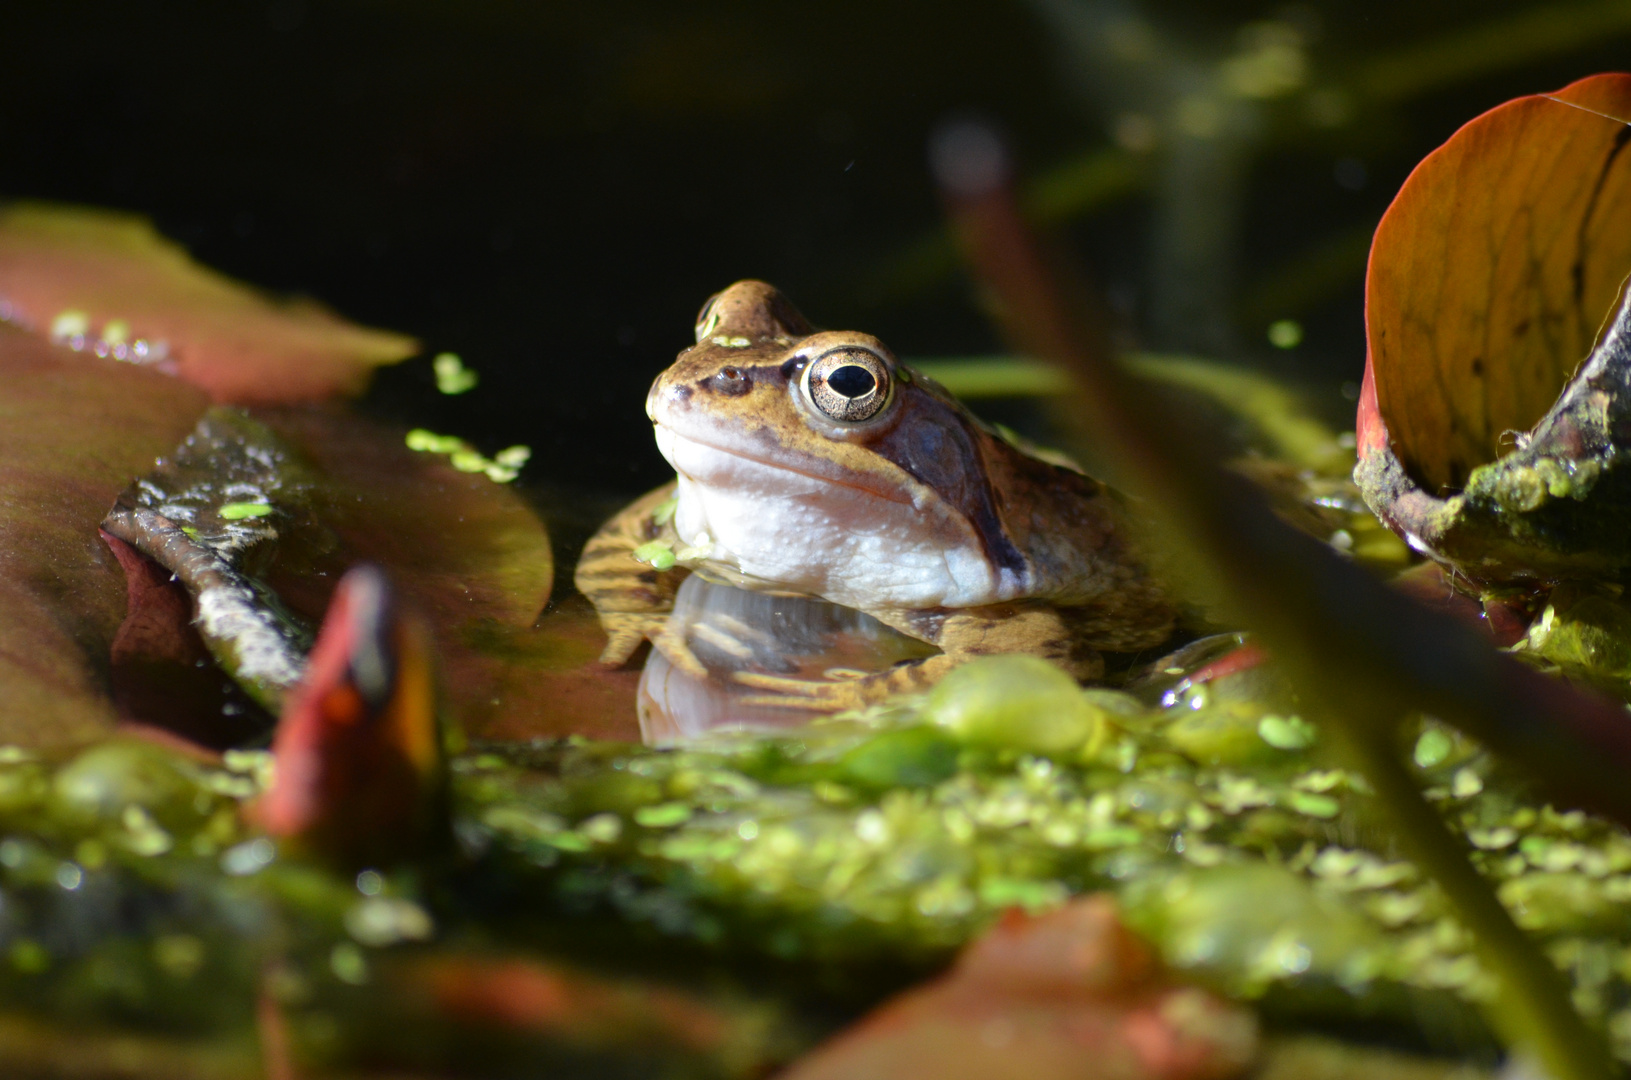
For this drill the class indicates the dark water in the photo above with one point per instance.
(552, 189)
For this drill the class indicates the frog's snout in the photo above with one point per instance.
(666, 394)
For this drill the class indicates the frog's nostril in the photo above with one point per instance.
(729, 381)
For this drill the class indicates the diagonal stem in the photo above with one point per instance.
(1533, 1010)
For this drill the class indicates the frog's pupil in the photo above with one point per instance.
(852, 381)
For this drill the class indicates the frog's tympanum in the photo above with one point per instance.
(816, 463)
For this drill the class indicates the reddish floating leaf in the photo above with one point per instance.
(162, 677)
(112, 281)
(73, 430)
(475, 560)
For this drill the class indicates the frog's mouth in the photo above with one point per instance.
(716, 466)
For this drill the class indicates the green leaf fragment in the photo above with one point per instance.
(501, 468)
(513, 457)
(657, 554)
(1319, 806)
(1018, 702)
(1033, 896)
(452, 377)
(469, 461)
(1286, 732)
(568, 842)
(239, 511)
(429, 442)
(663, 815)
(1432, 748)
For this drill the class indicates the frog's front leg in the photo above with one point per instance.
(963, 634)
(633, 598)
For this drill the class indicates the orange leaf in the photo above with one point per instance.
(1492, 272)
(110, 280)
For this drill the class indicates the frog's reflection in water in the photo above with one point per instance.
(729, 630)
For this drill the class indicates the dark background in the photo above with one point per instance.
(552, 189)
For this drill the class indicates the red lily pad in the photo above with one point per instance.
(1486, 435)
(473, 558)
(334, 490)
(74, 429)
(107, 282)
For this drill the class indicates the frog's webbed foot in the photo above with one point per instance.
(670, 641)
(843, 690)
(626, 631)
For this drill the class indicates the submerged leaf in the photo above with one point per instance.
(468, 554)
(108, 283)
(1067, 994)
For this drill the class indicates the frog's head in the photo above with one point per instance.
(819, 461)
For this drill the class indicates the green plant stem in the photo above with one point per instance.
(1500, 44)
(1533, 1010)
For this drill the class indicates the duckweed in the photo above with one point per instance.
(890, 837)
(1249, 864)
(501, 468)
(452, 377)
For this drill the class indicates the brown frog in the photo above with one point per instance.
(816, 463)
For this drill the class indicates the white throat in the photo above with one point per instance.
(815, 536)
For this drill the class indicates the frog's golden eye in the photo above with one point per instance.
(848, 384)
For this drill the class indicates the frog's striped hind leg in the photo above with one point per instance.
(631, 598)
(782, 692)
(964, 634)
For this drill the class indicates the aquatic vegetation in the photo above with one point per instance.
(859, 845)
(452, 377)
(501, 468)
(1254, 867)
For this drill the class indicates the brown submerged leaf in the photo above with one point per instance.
(1063, 996)
(1491, 273)
(111, 281)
